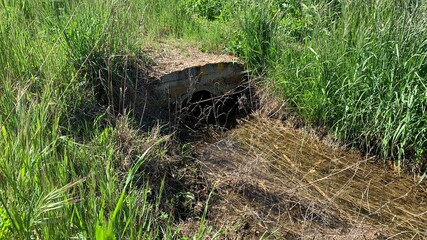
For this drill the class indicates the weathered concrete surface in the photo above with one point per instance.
(217, 78)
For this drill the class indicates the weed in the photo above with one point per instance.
(59, 180)
(363, 77)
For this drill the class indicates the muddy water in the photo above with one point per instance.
(275, 181)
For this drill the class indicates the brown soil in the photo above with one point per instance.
(170, 57)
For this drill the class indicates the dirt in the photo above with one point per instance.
(176, 56)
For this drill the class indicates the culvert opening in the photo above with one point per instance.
(204, 110)
(153, 96)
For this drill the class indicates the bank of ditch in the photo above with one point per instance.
(276, 179)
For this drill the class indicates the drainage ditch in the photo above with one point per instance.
(267, 177)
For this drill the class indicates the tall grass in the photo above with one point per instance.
(255, 41)
(363, 74)
(58, 180)
(358, 67)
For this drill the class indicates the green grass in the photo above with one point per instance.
(358, 67)
(63, 158)
(362, 72)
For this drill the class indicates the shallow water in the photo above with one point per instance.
(278, 177)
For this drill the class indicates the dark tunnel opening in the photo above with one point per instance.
(204, 109)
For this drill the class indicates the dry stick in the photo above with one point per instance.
(312, 183)
(333, 174)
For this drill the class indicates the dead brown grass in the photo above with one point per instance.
(274, 178)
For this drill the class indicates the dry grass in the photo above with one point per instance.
(280, 180)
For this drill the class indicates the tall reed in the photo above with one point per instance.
(363, 74)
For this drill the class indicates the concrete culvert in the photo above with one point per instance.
(205, 111)
(203, 95)
(195, 94)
